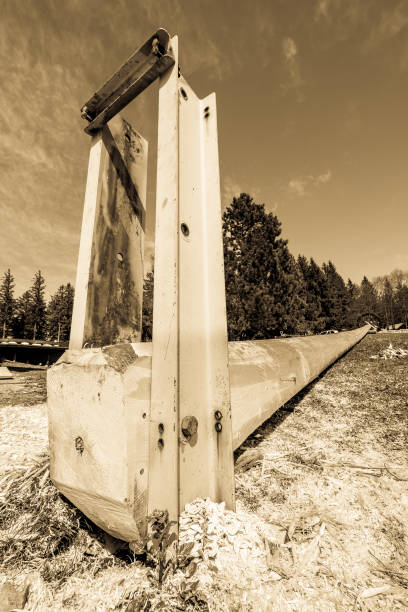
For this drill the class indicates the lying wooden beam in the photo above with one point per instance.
(99, 404)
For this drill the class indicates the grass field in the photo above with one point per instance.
(322, 508)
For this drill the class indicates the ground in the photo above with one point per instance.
(322, 508)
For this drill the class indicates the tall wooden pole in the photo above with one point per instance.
(109, 284)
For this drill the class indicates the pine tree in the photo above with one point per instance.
(6, 303)
(387, 302)
(264, 288)
(22, 313)
(336, 297)
(59, 313)
(353, 310)
(315, 292)
(36, 323)
(368, 297)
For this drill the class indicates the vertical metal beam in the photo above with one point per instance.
(206, 456)
(109, 287)
(163, 453)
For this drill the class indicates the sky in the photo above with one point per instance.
(312, 119)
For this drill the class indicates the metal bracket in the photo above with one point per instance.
(142, 68)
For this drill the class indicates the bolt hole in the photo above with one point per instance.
(218, 427)
(184, 229)
(119, 257)
(160, 443)
(207, 108)
(141, 471)
(161, 428)
(144, 415)
(184, 93)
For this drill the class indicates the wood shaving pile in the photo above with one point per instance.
(391, 353)
(215, 531)
(235, 546)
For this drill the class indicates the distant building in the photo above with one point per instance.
(396, 326)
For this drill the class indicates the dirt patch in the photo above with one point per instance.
(24, 389)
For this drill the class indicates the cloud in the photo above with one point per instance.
(295, 81)
(230, 189)
(233, 189)
(322, 9)
(300, 186)
(389, 25)
(322, 179)
(197, 47)
(289, 49)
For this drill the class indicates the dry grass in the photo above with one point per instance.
(321, 522)
(338, 453)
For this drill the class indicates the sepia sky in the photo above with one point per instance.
(312, 117)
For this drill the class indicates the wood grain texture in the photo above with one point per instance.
(98, 402)
(138, 72)
(108, 300)
(105, 399)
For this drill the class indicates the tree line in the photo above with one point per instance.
(29, 316)
(269, 292)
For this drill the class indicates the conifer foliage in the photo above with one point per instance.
(59, 313)
(264, 289)
(7, 303)
(268, 292)
(29, 317)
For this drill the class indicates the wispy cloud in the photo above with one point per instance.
(391, 22)
(290, 55)
(230, 188)
(300, 186)
(322, 9)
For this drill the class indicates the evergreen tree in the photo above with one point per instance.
(368, 297)
(401, 303)
(336, 299)
(387, 302)
(6, 303)
(22, 313)
(353, 309)
(36, 322)
(315, 292)
(264, 288)
(59, 313)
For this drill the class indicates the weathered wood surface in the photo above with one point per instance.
(98, 407)
(265, 374)
(143, 67)
(99, 401)
(109, 285)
